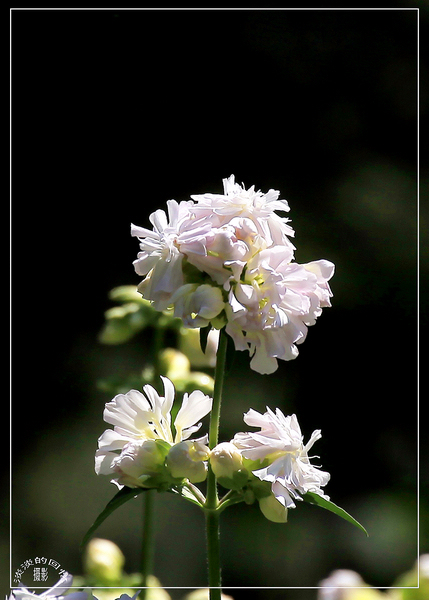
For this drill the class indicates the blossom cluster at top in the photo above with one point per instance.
(227, 260)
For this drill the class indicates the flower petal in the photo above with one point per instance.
(194, 407)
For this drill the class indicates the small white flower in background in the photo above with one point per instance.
(280, 442)
(136, 448)
(58, 592)
(344, 584)
(331, 588)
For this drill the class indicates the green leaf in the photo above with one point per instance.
(313, 498)
(120, 498)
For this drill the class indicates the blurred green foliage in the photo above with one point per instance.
(133, 316)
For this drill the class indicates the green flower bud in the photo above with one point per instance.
(174, 364)
(227, 464)
(142, 465)
(103, 562)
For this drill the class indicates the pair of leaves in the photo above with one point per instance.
(126, 494)
(120, 498)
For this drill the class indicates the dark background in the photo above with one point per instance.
(116, 111)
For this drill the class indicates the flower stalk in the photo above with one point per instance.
(212, 501)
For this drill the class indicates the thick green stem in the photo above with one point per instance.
(212, 501)
(148, 539)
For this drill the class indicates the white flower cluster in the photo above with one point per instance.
(276, 456)
(141, 450)
(280, 441)
(226, 259)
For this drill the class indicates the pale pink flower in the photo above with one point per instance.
(236, 201)
(270, 308)
(280, 441)
(163, 250)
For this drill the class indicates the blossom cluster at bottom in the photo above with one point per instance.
(271, 465)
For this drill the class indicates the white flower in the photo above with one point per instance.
(57, 592)
(131, 450)
(272, 305)
(280, 441)
(337, 587)
(163, 249)
(234, 245)
(228, 248)
(236, 201)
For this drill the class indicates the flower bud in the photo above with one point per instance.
(195, 380)
(186, 460)
(139, 463)
(174, 364)
(227, 464)
(197, 304)
(272, 509)
(103, 562)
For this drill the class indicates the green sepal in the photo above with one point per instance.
(186, 494)
(317, 500)
(237, 482)
(124, 495)
(260, 489)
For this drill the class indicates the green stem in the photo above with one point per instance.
(218, 387)
(148, 539)
(212, 501)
